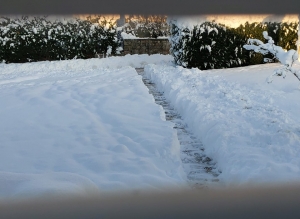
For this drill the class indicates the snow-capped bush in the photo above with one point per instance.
(209, 45)
(36, 39)
(206, 46)
(286, 58)
(283, 34)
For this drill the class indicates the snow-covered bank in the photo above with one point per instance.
(250, 128)
(135, 61)
(83, 125)
(91, 125)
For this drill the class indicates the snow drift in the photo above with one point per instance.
(250, 128)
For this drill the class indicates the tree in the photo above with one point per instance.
(286, 58)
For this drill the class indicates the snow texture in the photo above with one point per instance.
(286, 58)
(83, 126)
(250, 128)
(92, 126)
(128, 36)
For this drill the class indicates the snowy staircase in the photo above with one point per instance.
(201, 170)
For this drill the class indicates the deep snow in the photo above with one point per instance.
(249, 127)
(92, 126)
(83, 126)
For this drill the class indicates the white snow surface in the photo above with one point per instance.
(250, 128)
(128, 36)
(91, 126)
(83, 126)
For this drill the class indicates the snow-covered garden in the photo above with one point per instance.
(83, 125)
(249, 127)
(89, 126)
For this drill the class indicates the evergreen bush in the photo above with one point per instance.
(210, 45)
(37, 39)
(286, 58)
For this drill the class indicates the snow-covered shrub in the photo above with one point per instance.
(286, 58)
(288, 35)
(209, 45)
(36, 39)
(150, 26)
(284, 35)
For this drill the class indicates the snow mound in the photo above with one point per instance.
(250, 128)
(83, 125)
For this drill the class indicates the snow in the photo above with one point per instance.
(286, 58)
(90, 126)
(250, 128)
(130, 36)
(83, 126)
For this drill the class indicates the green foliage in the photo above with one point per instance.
(207, 46)
(37, 39)
(288, 35)
(210, 45)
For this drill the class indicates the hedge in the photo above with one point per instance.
(37, 39)
(211, 45)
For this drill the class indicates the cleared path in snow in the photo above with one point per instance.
(250, 128)
(201, 170)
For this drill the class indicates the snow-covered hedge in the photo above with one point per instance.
(284, 35)
(210, 45)
(37, 38)
(206, 46)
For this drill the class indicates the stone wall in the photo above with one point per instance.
(146, 46)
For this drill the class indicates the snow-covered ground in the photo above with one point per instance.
(92, 126)
(83, 126)
(250, 128)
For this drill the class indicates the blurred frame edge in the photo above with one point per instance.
(166, 7)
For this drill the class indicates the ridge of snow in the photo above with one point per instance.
(250, 128)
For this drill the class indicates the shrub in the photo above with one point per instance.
(286, 58)
(207, 46)
(210, 45)
(37, 39)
